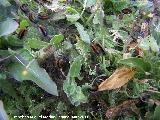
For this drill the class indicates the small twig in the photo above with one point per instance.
(5, 58)
(153, 91)
(90, 18)
(97, 77)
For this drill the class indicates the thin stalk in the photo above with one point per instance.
(90, 18)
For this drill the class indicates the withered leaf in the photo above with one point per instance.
(120, 77)
(124, 108)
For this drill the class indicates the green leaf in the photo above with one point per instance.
(5, 3)
(23, 24)
(36, 43)
(75, 67)
(83, 34)
(73, 18)
(13, 40)
(90, 3)
(3, 114)
(155, 30)
(73, 15)
(114, 6)
(25, 70)
(149, 43)
(83, 48)
(58, 16)
(74, 92)
(98, 18)
(157, 113)
(71, 10)
(8, 26)
(137, 63)
(142, 3)
(57, 39)
(9, 41)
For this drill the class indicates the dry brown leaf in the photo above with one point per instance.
(124, 108)
(120, 77)
(135, 47)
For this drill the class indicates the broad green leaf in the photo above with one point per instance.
(23, 24)
(8, 26)
(73, 18)
(3, 114)
(34, 73)
(155, 29)
(71, 10)
(76, 67)
(153, 45)
(114, 6)
(83, 34)
(98, 18)
(156, 35)
(149, 43)
(13, 40)
(142, 3)
(5, 3)
(9, 41)
(137, 63)
(88, 3)
(58, 16)
(83, 48)
(157, 113)
(36, 43)
(74, 92)
(25, 70)
(57, 39)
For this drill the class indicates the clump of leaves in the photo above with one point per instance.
(27, 40)
(70, 87)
